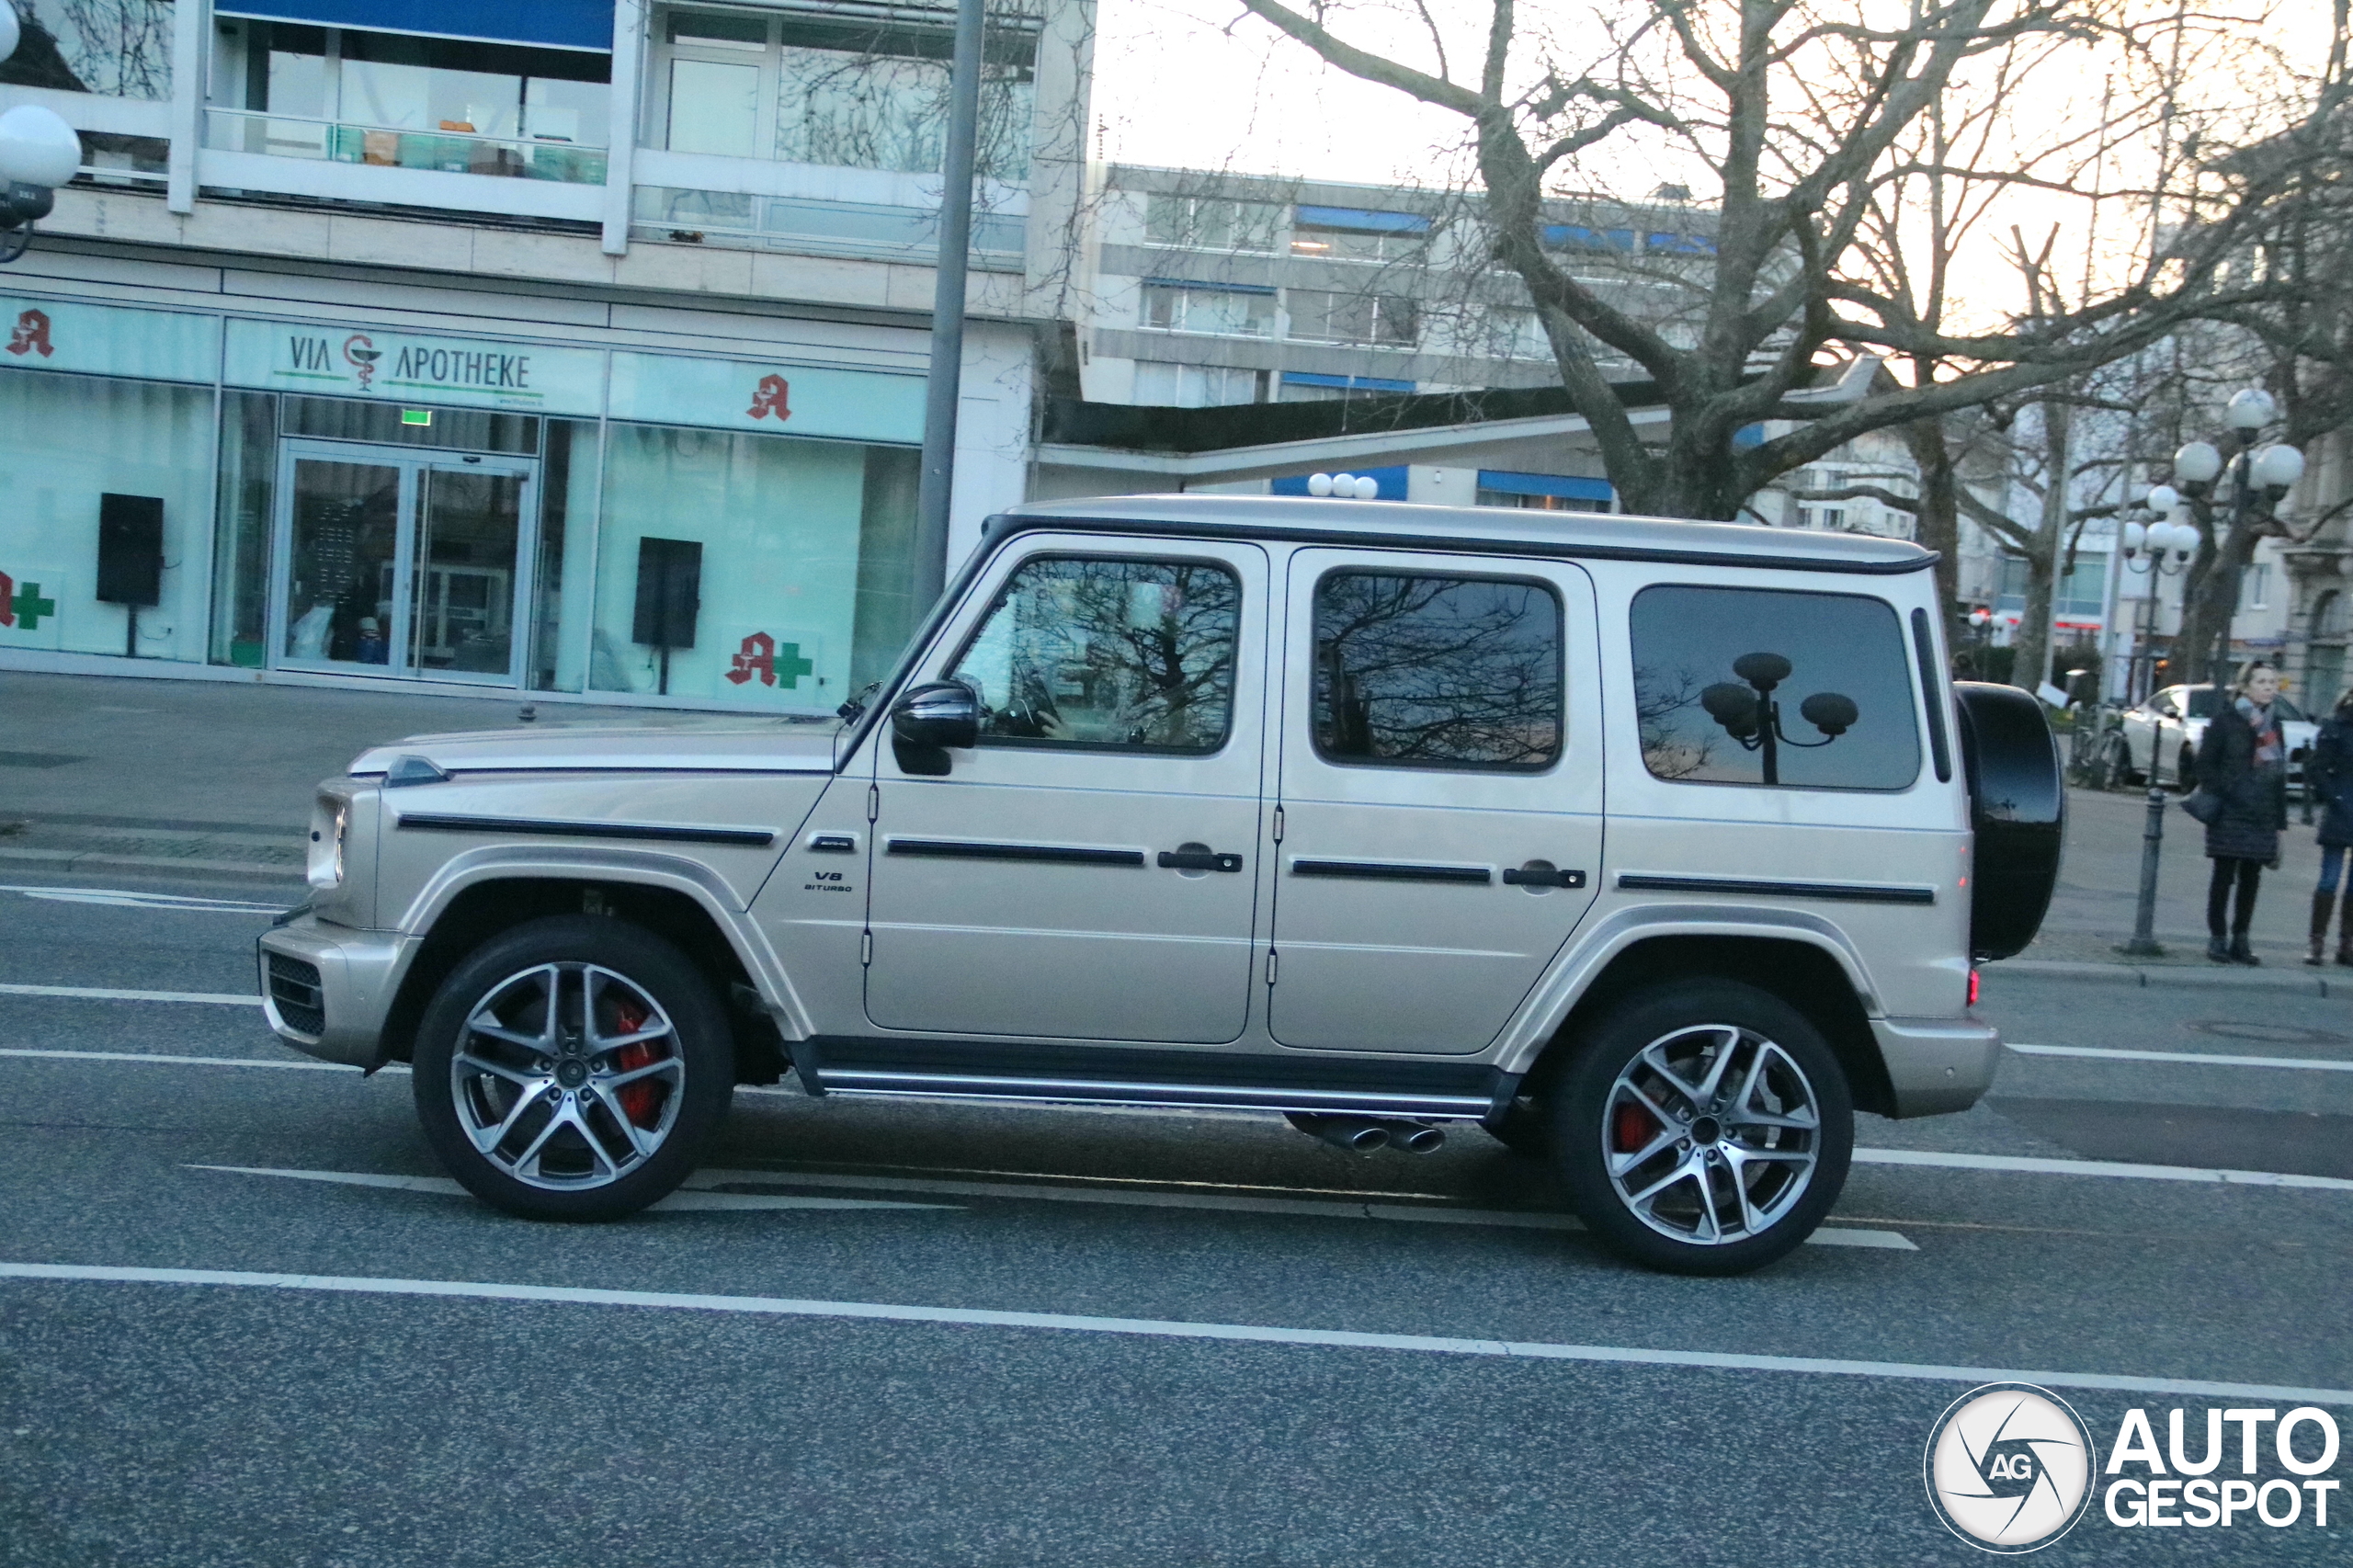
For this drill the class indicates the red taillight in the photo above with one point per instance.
(1973, 988)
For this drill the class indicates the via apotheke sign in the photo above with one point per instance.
(358, 361)
(102, 340)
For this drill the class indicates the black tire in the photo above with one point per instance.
(1797, 1172)
(672, 1056)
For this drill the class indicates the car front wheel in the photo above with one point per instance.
(573, 1068)
(1704, 1129)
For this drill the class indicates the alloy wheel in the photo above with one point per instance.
(567, 1076)
(1711, 1134)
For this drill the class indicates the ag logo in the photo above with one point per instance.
(2009, 1468)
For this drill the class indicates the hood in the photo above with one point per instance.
(668, 744)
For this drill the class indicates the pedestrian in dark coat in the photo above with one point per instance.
(2328, 774)
(2244, 761)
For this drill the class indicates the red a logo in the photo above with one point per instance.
(757, 655)
(31, 337)
(770, 399)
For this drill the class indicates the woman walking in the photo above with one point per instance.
(2328, 773)
(2244, 763)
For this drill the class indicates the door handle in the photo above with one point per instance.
(1535, 876)
(1198, 860)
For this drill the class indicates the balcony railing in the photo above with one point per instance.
(445, 151)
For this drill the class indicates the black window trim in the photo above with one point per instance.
(1560, 668)
(1093, 748)
(1920, 761)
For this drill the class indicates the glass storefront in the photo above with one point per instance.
(502, 524)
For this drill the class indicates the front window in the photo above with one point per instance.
(1387, 320)
(1749, 685)
(1415, 671)
(1180, 307)
(1109, 655)
(1208, 222)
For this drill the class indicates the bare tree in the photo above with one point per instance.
(1801, 115)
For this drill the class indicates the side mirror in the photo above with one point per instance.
(929, 719)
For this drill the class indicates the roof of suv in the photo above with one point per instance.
(1396, 524)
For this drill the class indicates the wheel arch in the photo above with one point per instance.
(473, 910)
(1806, 974)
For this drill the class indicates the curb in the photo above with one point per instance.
(87, 860)
(2179, 975)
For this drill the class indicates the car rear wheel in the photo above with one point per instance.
(573, 1068)
(1704, 1129)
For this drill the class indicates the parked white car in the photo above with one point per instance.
(2174, 718)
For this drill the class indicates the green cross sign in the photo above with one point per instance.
(791, 666)
(30, 607)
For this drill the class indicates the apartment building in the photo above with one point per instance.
(459, 345)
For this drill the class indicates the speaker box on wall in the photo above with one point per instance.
(131, 550)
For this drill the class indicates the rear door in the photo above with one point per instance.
(1439, 794)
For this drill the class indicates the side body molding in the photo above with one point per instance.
(1590, 952)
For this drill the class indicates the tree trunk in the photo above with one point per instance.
(1936, 524)
(2031, 665)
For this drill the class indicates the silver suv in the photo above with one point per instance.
(1656, 848)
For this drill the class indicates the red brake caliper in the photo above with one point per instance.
(641, 1099)
(1630, 1128)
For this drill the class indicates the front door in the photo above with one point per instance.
(1088, 871)
(400, 564)
(1440, 796)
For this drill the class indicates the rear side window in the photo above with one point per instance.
(1749, 685)
(1416, 671)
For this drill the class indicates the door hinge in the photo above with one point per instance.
(873, 801)
(866, 947)
(1279, 825)
(1270, 966)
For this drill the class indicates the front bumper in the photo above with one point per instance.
(1937, 1065)
(330, 987)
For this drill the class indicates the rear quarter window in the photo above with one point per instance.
(1757, 686)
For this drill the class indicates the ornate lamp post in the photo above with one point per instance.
(38, 152)
(2160, 549)
(1746, 711)
(2260, 480)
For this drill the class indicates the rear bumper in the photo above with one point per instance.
(331, 987)
(1937, 1065)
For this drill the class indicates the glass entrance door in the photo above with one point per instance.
(396, 565)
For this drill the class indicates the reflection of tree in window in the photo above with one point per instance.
(1659, 696)
(119, 49)
(1437, 671)
(1127, 654)
(877, 98)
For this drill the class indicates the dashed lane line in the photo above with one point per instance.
(1155, 1328)
(1918, 1157)
(111, 993)
(2192, 1058)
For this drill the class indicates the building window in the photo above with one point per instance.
(843, 92)
(1348, 233)
(118, 49)
(1209, 223)
(1204, 307)
(1833, 516)
(1384, 320)
(1308, 386)
(2255, 587)
(1162, 384)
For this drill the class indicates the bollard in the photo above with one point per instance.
(2145, 923)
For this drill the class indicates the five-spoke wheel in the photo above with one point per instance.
(1705, 1127)
(572, 1068)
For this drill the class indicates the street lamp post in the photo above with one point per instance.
(38, 152)
(2267, 472)
(2160, 549)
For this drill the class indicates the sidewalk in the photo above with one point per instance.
(100, 772)
(196, 777)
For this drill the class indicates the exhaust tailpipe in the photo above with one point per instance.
(1356, 1135)
(1415, 1136)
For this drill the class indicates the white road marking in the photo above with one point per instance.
(697, 1194)
(2194, 1058)
(677, 1202)
(776, 1306)
(109, 994)
(123, 898)
(2011, 1162)
(2096, 1168)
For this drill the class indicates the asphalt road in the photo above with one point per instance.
(881, 1332)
